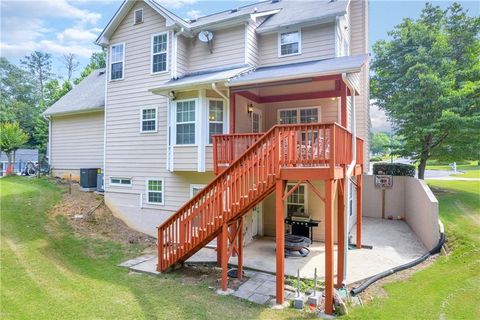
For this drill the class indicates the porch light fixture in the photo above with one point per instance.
(249, 108)
(172, 95)
(333, 98)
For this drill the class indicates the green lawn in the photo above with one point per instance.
(471, 170)
(450, 288)
(48, 273)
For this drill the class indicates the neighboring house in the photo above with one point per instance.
(22, 157)
(289, 68)
(76, 123)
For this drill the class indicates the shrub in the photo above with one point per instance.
(375, 159)
(394, 169)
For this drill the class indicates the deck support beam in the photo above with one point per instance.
(359, 212)
(240, 250)
(343, 104)
(232, 112)
(340, 231)
(224, 254)
(280, 240)
(330, 186)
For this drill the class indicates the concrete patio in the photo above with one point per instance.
(394, 243)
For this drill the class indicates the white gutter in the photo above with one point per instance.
(214, 87)
(350, 168)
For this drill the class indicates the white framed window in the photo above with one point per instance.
(296, 203)
(159, 52)
(155, 191)
(148, 120)
(117, 61)
(120, 182)
(216, 118)
(195, 188)
(289, 43)
(138, 16)
(299, 115)
(255, 122)
(185, 122)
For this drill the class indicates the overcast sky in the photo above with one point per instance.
(71, 26)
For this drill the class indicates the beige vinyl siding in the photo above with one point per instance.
(130, 153)
(185, 158)
(251, 49)
(182, 55)
(358, 45)
(77, 141)
(228, 49)
(318, 42)
(209, 158)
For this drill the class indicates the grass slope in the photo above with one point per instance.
(450, 288)
(48, 273)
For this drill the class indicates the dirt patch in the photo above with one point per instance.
(207, 275)
(377, 289)
(89, 216)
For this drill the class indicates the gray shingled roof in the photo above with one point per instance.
(22, 155)
(88, 95)
(347, 64)
(204, 77)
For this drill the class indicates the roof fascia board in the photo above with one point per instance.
(73, 113)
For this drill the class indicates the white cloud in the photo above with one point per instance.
(194, 14)
(175, 4)
(378, 119)
(78, 35)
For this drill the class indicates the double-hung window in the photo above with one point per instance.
(303, 115)
(155, 191)
(159, 52)
(297, 201)
(148, 120)
(195, 188)
(289, 43)
(215, 118)
(185, 122)
(117, 61)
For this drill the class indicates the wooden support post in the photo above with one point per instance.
(232, 112)
(343, 104)
(219, 250)
(340, 232)
(280, 240)
(224, 253)
(240, 250)
(359, 211)
(329, 230)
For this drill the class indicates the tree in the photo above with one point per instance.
(97, 61)
(71, 64)
(380, 143)
(426, 80)
(12, 137)
(39, 64)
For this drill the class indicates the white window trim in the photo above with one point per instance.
(198, 186)
(112, 62)
(112, 184)
(175, 123)
(135, 14)
(224, 121)
(279, 43)
(305, 186)
(166, 51)
(156, 120)
(163, 191)
(319, 113)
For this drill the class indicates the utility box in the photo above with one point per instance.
(88, 178)
(100, 181)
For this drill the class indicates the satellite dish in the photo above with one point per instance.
(206, 37)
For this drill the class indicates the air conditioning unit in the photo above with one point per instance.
(88, 178)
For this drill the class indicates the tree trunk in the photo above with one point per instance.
(9, 166)
(421, 167)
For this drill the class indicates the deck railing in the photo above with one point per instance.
(247, 179)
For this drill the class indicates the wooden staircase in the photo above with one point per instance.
(248, 166)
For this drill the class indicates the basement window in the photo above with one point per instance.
(138, 16)
(297, 201)
(122, 182)
(155, 191)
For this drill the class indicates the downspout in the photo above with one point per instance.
(350, 168)
(49, 148)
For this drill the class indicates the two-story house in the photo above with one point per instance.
(228, 125)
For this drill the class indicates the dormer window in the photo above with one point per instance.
(289, 43)
(138, 16)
